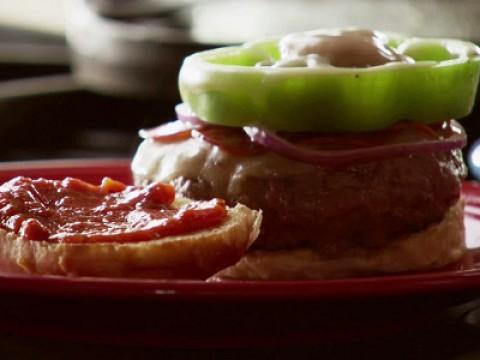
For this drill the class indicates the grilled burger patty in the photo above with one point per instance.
(329, 209)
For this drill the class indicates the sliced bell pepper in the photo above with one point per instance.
(223, 86)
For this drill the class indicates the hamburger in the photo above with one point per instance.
(344, 138)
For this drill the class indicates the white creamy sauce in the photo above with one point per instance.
(339, 48)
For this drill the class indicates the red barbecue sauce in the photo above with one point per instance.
(75, 211)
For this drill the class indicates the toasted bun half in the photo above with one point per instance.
(438, 245)
(193, 256)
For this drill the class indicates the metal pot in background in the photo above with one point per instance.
(133, 8)
(128, 52)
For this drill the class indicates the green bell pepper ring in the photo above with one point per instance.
(223, 86)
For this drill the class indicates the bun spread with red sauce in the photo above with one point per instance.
(345, 139)
(72, 227)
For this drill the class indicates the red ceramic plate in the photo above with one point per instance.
(177, 312)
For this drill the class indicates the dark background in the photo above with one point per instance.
(42, 119)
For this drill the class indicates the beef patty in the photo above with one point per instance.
(329, 209)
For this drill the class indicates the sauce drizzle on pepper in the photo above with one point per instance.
(347, 48)
(75, 211)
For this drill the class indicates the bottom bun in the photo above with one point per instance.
(196, 255)
(438, 245)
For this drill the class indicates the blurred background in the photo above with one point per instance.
(78, 78)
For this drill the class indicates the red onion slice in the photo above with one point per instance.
(277, 144)
(188, 116)
(170, 132)
(231, 139)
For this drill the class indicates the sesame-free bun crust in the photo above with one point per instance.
(435, 247)
(193, 256)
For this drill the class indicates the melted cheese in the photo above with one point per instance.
(195, 158)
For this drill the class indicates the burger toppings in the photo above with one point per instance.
(380, 87)
(390, 145)
(74, 211)
(401, 139)
(347, 48)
